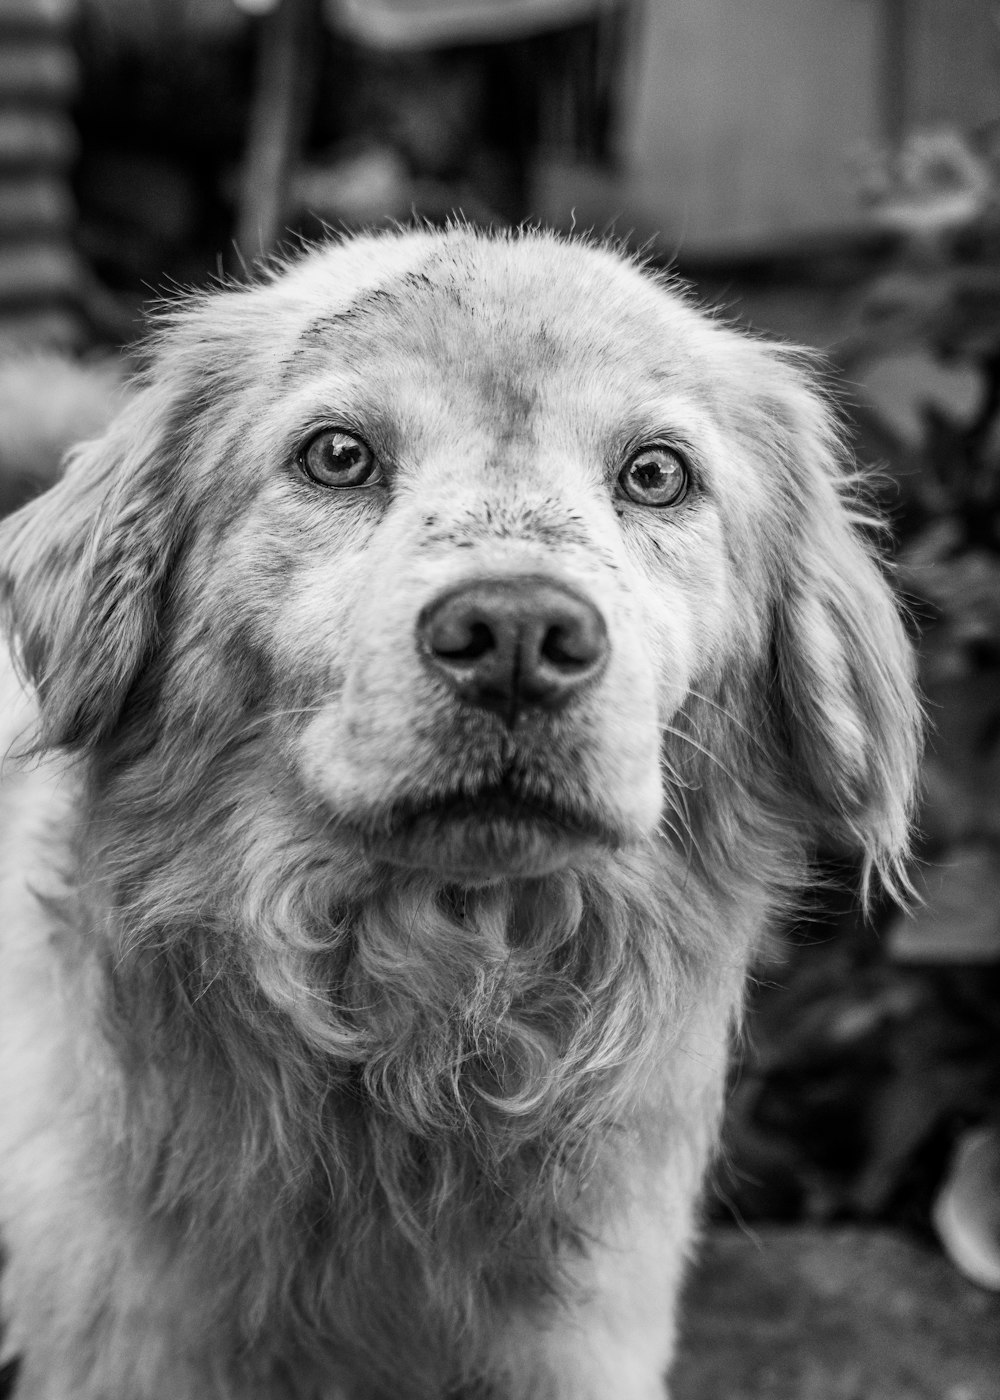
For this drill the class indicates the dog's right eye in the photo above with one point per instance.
(335, 457)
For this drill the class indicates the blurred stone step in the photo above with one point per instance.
(809, 1313)
(34, 272)
(42, 138)
(37, 70)
(36, 14)
(34, 203)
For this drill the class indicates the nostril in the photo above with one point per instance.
(461, 639)
(571, 646)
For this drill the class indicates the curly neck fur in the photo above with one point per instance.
(309, 1047)
(451, 1060)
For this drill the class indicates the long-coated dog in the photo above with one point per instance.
(431, 687)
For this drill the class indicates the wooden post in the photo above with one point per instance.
(286, 73)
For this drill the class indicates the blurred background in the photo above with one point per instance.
(826, 171)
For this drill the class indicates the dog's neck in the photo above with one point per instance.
(517, 1017)
(453, 1065)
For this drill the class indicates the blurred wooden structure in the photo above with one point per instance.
(721, 127)
(512, 74)
(749, 116)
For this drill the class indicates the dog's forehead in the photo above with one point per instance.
(524, 306)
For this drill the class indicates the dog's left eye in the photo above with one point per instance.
(335, 457)
(655, 476)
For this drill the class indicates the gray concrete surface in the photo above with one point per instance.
(793, 1313)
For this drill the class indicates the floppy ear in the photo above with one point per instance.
(843, 663)
(83, 569)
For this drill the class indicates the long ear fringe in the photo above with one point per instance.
(82, 569)
(843, 665)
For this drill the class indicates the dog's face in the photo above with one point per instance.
(503, 553)
(466, 527)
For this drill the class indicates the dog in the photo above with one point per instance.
(426, 695)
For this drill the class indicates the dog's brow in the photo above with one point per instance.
(391, 295)
(332, 321)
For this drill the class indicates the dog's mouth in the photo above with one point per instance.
(504, 826)
(503, 801)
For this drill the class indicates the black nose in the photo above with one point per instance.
(507, 644)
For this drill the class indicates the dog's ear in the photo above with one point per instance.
(83, 569)
(843, 664)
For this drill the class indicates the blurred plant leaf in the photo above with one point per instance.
(935, 181)
(967, 1210)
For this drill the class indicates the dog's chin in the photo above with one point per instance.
(483, 838)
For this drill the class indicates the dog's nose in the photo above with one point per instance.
(508, 644)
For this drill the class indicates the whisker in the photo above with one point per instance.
(684, 839)
(727, 713)
(676, 780)
(255, 721)
(700, 748)
(281, 714)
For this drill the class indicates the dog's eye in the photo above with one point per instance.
(655, 476)
(335, 457)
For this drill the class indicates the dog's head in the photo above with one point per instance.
(494, 551)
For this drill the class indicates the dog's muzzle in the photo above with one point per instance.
(514, 644)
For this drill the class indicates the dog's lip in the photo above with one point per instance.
(508, 802)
